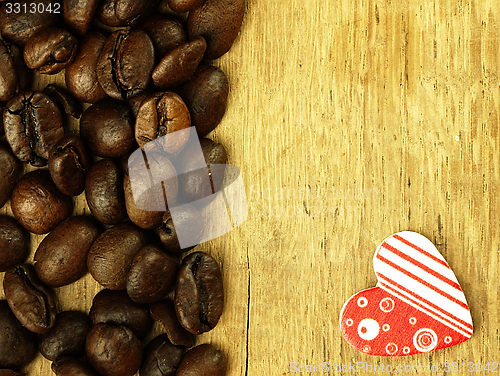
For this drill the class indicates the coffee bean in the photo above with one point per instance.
(78, 14)
(50, 50)
(14, 75)
(181, 6)
(205, 95)
(66, 366)
(9, 170)
(187, 217)
(151, 274)
(219, 22)
(164, 312)
(37, 204)
(68, 165)
(67, 337)
(31, 301)
(9, 372)
(166, 33)
(65, 100)
(125, 63)
(136, 101)
(2, 130)
(113, 350)
(33, 124)
(203, 360)
(104, 192)
(81, 75)
(17, 344)
(61, 257)
(179, 65)
(199, 294)
(161, 358)
(108, 128)
(111, 255)
(124, 12)
(14, 243)
(116, 308)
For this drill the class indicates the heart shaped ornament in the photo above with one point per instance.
(416, 307)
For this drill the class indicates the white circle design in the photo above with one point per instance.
(366, 348)
(349, 322)
(413, 320)
(447, 339)
(368, 329)
(425, 340)
(386, 305)
(406, 350)
(362, 302)
(391, 348)
(386, 327)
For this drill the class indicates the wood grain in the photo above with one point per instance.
(350, 121)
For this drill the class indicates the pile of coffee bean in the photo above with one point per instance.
(144, 67)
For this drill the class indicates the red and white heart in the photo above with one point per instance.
(417, 305)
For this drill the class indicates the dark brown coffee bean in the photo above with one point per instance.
(9, 169)
(37, 203)
(181, 6)
(14, 243)
(151, 274)
(68, 165)
(124, 12)
(179, 65)
(219, 22)
(50, 50)
(116, 308)
(160, 115)
(104, 192)
(33, 124)
(188, 217)
(81, 75)
(136, 101)
(17, 344)
(161, 358)
(68, 104)
(66, 366)
(31, 301)
(2, 130)
(19, 27)
(111, 255)
(67, 337)
(199, 294)
(9, 372)
(61, 257)
(125, 63)
(205, 95)
(108, 128)
(164, 312)
(113, 350)
(166, 33)
(14, 75)
(78, 14)
(203, 360)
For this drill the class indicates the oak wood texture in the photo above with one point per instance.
(350, 121)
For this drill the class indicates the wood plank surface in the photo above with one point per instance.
(350, 121)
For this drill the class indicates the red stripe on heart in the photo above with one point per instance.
(416, 247)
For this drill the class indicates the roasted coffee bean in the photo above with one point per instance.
(151, 274)
(78, 14)
(2, 130)
(164, 312)
(187, 217)
(61, 257)
(37, 203)
(113, 350)
(199, 293)
(19, 27)
(33, 124)
(125, 63)
(160, 115)
(17, 344)
(181, 6)
(9, 169)
(14, 75)
(136, 101)
(166, 33)
(68, 104)
(50, 50)
(116, 308)
(14, 243)
(81, 75)
(9, 372)
(68, 165)
(124, 12)
(111, 255)
(104, 192)
(179, 65)
(108, 128)
(67, 337)
(203, 360)
(66, 366)
(205, 95)
(31, 301)
(161, 358)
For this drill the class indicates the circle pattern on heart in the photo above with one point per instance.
(386, 305)
(391, 348)
(349, 322)
(425, 340)
(362, 302)
(368, 329)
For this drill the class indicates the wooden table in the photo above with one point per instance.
(350, 121)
